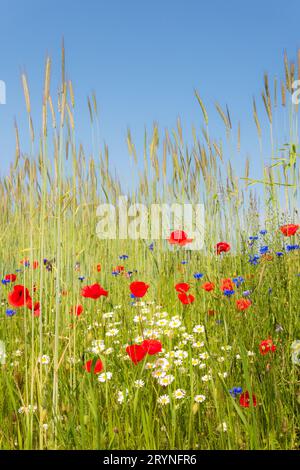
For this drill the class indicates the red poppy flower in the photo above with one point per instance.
(245, 400)
(10, 277)
(227, 284)
(152, 346)
(179, 237)
(77, 310)
(136, 352)
(208, 286)
(35, 264)
(243, 304)
(36, 307)
(182, 287)
(19, 296)
(138, 289)
(98, 268)
(222, 247)
(186, 299)
(266, 346)
(97, 368)
(289, 229)
(94, 291)
(119, 269)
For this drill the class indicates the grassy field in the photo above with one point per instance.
(226, 378)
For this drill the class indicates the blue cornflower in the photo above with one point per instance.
(10, 312)
(254, 259)
(263, 249)
(123, 257)
(151, 246)
(238, 280)
(253, 238)
(184, 262)
(292, 247)
(246, 293)
(132, 296)
(270, 290)
(81, 278)
(198, 275)
(116, 273)
(263, 232)
(18, 270)
(279, 253)
(228, 292)
(5, 281)
(235, 391)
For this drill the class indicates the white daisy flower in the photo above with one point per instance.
(104, 377)
(158, 374)
(198, 344)
(163, 400)
(204, 356)
(175, 324)
(112, 332)
(166, 380)
(179, 394)
(198, 329)
(206, 378)
(139, 383)
(199, 398)
(44, 359)
(180, 354)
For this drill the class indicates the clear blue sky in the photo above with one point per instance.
(143, 59)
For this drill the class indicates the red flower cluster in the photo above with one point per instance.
(137, 352)
(227, 284)
(208, 286)
(35, 307)
(97, 368)
(180, 238)
(11, 277)
(138, 289)
(94, 291)
(184, 298)
(20, 297)
(289, 229)
(243, 304)
(119, 269)
(266, 346)
(222, 247)
(245, 399)
(77, 310)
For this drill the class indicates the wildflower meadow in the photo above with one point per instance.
(134, 342)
